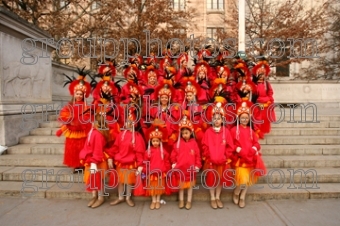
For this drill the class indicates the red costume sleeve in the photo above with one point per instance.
(98, 144)
(198, 160)
(270, 92)
(174, 155)
(167, 161)
(113, 150)
(205, 147)
(229, 144)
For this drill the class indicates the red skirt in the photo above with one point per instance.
(217, 175)
(268, 116)
(73, 146)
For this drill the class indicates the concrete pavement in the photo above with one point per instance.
(35, 211)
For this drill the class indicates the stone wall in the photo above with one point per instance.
(324, 94)
(27, 91)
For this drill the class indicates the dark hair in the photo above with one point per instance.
(191, 133)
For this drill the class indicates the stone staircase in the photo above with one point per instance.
(34, 167)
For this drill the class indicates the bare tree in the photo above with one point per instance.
(285, 31)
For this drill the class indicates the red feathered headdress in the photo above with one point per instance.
(79, 84)
(223, 72)
(261, 67)
(183, 57)
(108, 71)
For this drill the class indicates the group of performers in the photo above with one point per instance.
(169, 117)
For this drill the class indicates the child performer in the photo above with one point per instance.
(159, 164)
(75, 124)
(186, 158)
(264, 95)
(246, 148)
(217, 145)
(127, 151)
(93, 158)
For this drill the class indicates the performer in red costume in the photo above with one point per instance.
(93, 158)
(183, 70)
(150, 84)
(264, 95)
(203, 74)
(166, 112)
(191, 92)
(75, 125)
(158, 163)
(127, 153)
(186, 158)
(217, 148)
(244, 156)
(131, 91)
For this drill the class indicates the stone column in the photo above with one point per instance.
(25, 77)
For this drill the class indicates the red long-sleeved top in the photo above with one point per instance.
(264, 95)
(186, 156)
(155, 160)
(245, 142)
(93, 151)
(124, 152)
(214, 149)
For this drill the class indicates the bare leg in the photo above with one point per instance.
(236, 196)
(120, 195)
(213, 203)
(243, 197)
(212, 194)
(128, 191)
(158, 200)
(153, 203)
(121, 191)
(190, 190)
(181, 198)
(94, 198)
(128, 196)
(218, 195)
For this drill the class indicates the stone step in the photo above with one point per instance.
(32, 160)
(267, 149)
(312, 161)
(321, 124)
(270, 149)
(293, 140)
(273, 176)
(296, 176)
(52, 117)
(41, 174)
(48, 149)
(255, 193)
(297, 116)
(43, 131)
(51, 124)
(41, 139)
(305, 131)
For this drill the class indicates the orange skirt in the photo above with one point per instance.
(156, 185)
(187, 184)
(126, 175)
(102, 167)
(244, 175)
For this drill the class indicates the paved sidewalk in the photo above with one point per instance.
(35, 211)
